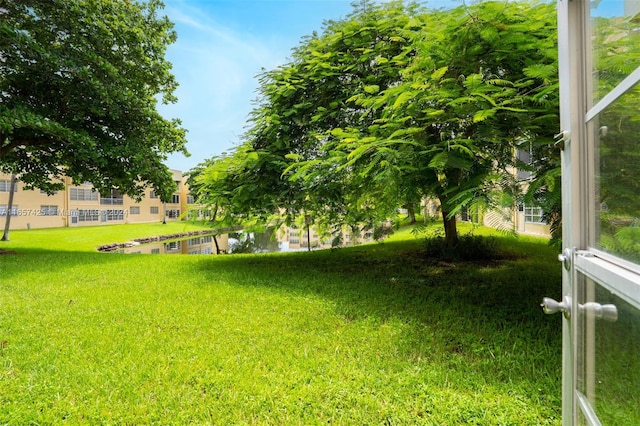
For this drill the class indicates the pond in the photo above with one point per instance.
(207, 242)
(204, 243)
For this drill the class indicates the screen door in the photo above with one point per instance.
(599, 60)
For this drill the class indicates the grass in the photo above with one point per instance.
(375, 334)
(89, 238)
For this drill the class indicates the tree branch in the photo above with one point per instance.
(7, 148)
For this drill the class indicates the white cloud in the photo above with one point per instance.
(216, 67)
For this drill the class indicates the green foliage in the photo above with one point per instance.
(619, 158)
(394, 103)
(79, 84)
(249, 242)
(364, 335)
(620, 235)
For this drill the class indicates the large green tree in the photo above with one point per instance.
(79, 85)
(397, 101)
(483, 82)
(297, 103)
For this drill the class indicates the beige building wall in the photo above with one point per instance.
(522, 219)
(81, 205)
(31, 208)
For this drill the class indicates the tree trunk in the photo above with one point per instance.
(7, 222)
(411, 214)
(450, 230)
(215, 240)
(307, 221)
(214, 216)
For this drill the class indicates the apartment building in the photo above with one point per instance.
(523, 218)
(82, 205)
(526, 219)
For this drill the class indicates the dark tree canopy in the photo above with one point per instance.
(79, 86)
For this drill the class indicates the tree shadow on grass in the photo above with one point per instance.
(486, 314)
(397, 278)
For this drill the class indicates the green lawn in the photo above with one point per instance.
(375, 334)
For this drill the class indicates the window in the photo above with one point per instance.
(190, 199)
(175, 199)
(42, 191)
(113, 214)
(48, 210)
(81, 194)
(91, 194)
(155, 210)
(5, 185)
(108, 201)
(155, 251)
(207, 239)
(533, 214)
(173, 246)
(152, 194)
(3, 210)
(525, 157)
(88, 215)
(173, 213)
(134, 210)
(469, 216)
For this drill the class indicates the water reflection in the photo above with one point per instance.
(204, 244)
(241, 242)
(264, 242)
(617, 195)
(286, 240)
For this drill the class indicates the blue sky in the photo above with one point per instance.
(222, 45)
